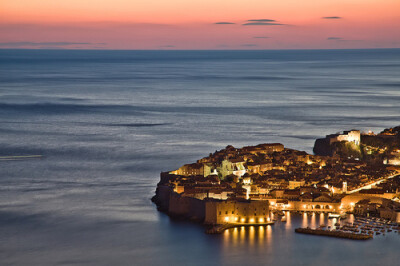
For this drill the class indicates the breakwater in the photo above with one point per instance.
(334, 233)
(220, 228)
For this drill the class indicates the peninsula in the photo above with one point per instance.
(351, 172)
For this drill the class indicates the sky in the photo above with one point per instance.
(199, 24)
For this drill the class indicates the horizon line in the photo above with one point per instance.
(272, 49)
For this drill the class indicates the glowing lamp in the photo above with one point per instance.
(226, 219)
(251, 220)
(261, 220)
(243, 220)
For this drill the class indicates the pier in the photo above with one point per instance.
(334, 233)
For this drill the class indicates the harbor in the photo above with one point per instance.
(340, 226)
(350, 227)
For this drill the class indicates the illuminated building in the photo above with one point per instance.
(236, 211)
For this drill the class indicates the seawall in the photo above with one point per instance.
(338, 234)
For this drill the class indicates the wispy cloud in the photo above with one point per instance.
(334, 38)
(167, 46)
(261, 37)
(339, 39)
(249, 45)
(262, 22)
(334, 17)
(224, 23)
(45, 44)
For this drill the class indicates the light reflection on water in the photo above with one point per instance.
(288, 223)
(253, 237)
(278, 242)
(262, 235)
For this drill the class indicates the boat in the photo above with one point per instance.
(333, 215)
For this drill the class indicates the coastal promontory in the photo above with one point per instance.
(244, 186)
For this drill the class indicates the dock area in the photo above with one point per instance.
(334, 233)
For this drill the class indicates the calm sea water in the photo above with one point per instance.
(107, 122)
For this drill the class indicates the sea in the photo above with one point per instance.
(105, 123)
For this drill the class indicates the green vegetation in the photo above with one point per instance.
(347, 149)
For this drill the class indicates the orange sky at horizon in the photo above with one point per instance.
(179, 24)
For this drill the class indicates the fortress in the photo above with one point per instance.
(348, 136)
(328, 146)
(209, 210)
